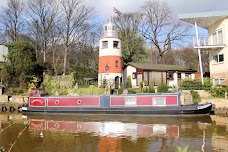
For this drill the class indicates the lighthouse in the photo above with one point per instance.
(110, 71)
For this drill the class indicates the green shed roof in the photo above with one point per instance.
(161, 67)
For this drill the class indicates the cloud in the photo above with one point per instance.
(104, 7)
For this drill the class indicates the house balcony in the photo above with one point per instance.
(206, 44)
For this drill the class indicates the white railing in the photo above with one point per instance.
(205, 41)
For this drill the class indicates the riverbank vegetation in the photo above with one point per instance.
(216, 91)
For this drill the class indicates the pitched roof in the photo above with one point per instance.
(160, 67)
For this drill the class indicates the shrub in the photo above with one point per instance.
(151, 88)
(129, 82)
(104, 83)
(141, 86)
(91, 90)
(33, 83)
(195, 96)
(145, 90)
(207, 84)
(218, 92)
(163, 88)
(196, 84)
(131, 91)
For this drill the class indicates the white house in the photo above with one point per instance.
(3, 52)
(216, 43)
(156, 73)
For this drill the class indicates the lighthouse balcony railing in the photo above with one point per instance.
(110, 34)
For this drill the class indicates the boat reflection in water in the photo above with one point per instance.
(111, 129)
(122, 133)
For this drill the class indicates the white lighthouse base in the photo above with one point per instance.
(110, 80)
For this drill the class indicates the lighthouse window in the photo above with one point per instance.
(117, 63)
(116, 44)
(105, 28)
(104, 44)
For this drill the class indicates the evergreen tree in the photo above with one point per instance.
(20, 66)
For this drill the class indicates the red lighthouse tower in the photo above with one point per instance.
(110, 57)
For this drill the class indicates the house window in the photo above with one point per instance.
(116, 44)
(104, 44)
(187, 75)
(170, 75)
(218, 58)
(117, 63)
(134, 75)
(217, 37)
(219, 81)
(179, 76)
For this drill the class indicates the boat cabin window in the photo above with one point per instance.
(130, 101)
(159, 101)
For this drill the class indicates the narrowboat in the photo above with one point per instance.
(146, 104)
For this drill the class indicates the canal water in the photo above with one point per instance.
(111, 133)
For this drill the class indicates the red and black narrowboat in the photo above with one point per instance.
(149, 104)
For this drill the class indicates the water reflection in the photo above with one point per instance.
(103, 133)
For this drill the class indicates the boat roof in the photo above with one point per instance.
(204, 19)
(160, 67)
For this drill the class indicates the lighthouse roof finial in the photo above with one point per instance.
(109, 29)
(110, 20)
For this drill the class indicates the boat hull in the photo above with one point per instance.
(147, 104)
(173, 110)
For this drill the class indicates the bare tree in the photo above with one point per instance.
(75, 23)
(42, 15)
(57, 48)
(189, 56)
(159, 27)
(12, 18)
(129, 21)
